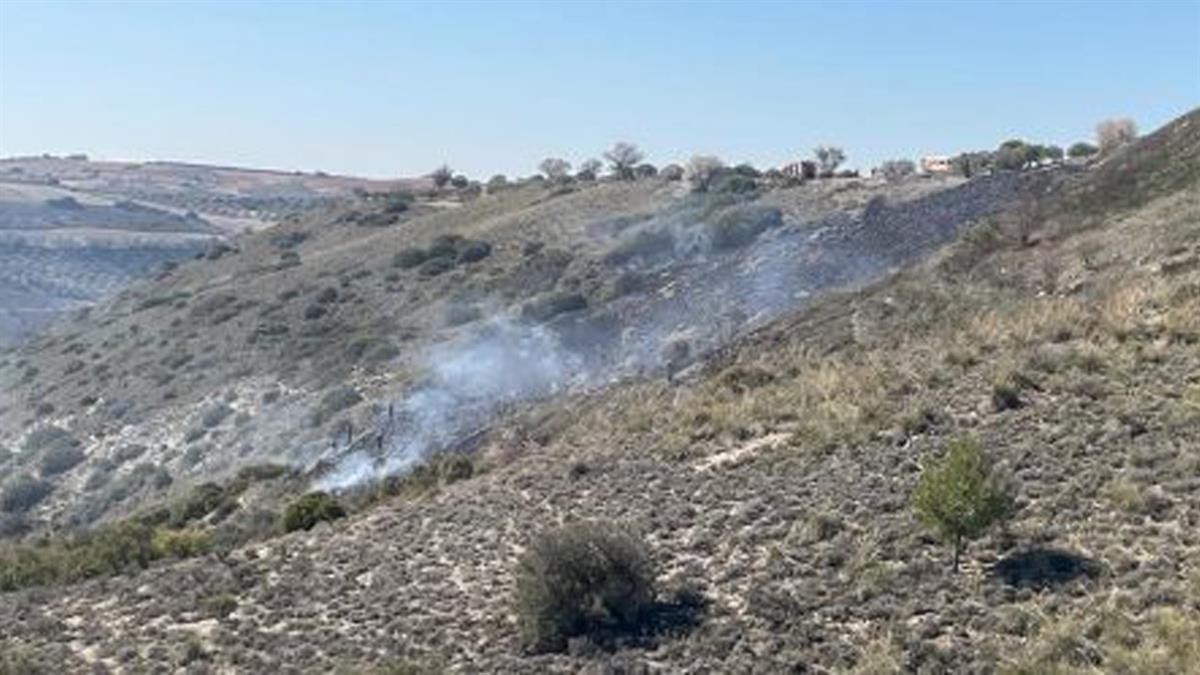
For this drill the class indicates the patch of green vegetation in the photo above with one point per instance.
(114, 549)
(310, 509)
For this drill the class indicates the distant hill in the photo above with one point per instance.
(73, 231)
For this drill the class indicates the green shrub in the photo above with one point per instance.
(960, 496)
(740, 226)
(220, 605)
(23, 493)
(200, 501)
(585, 579)
(312, 508)
(168, 543)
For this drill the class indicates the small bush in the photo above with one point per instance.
(312, 508)
(49, 437)
(585, 579)
(474, 252)
(739, 227)
(551, 305)
(960, 496)
(409, 258)
(646, 243)
(166, 543)
(436, 266)
(201, 501)
(24, 493)
(61, 459)
(215, 414)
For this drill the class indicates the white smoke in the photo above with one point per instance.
(469, 381)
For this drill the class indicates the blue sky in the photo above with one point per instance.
(395, 88)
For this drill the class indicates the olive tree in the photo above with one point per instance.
(589, 169)
(896, 170)
(702, 170)
(622, 158)
(555, 169)
(1112, 134)
(961, 495)
(829, 158)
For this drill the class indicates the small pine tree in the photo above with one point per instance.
(960, 496)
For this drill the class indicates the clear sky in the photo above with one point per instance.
(396, 88)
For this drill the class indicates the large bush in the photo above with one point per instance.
(585, 579)
(961, 496)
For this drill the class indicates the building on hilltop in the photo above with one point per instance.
(936, 164)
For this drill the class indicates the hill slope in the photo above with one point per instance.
(1062, 330)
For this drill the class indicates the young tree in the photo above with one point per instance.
(555, 169)
(702, 170)
(1112, 134)
(622, 158)
(1051, 153)
(441, 176)
(961, 496)
(589, 169)
(1012, 155)
(829, 158)
(896, 170)
(1081, 149)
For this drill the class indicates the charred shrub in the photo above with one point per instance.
(583, 580)
(312, 508)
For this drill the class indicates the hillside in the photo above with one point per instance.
(73, 231)
(751, 381)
